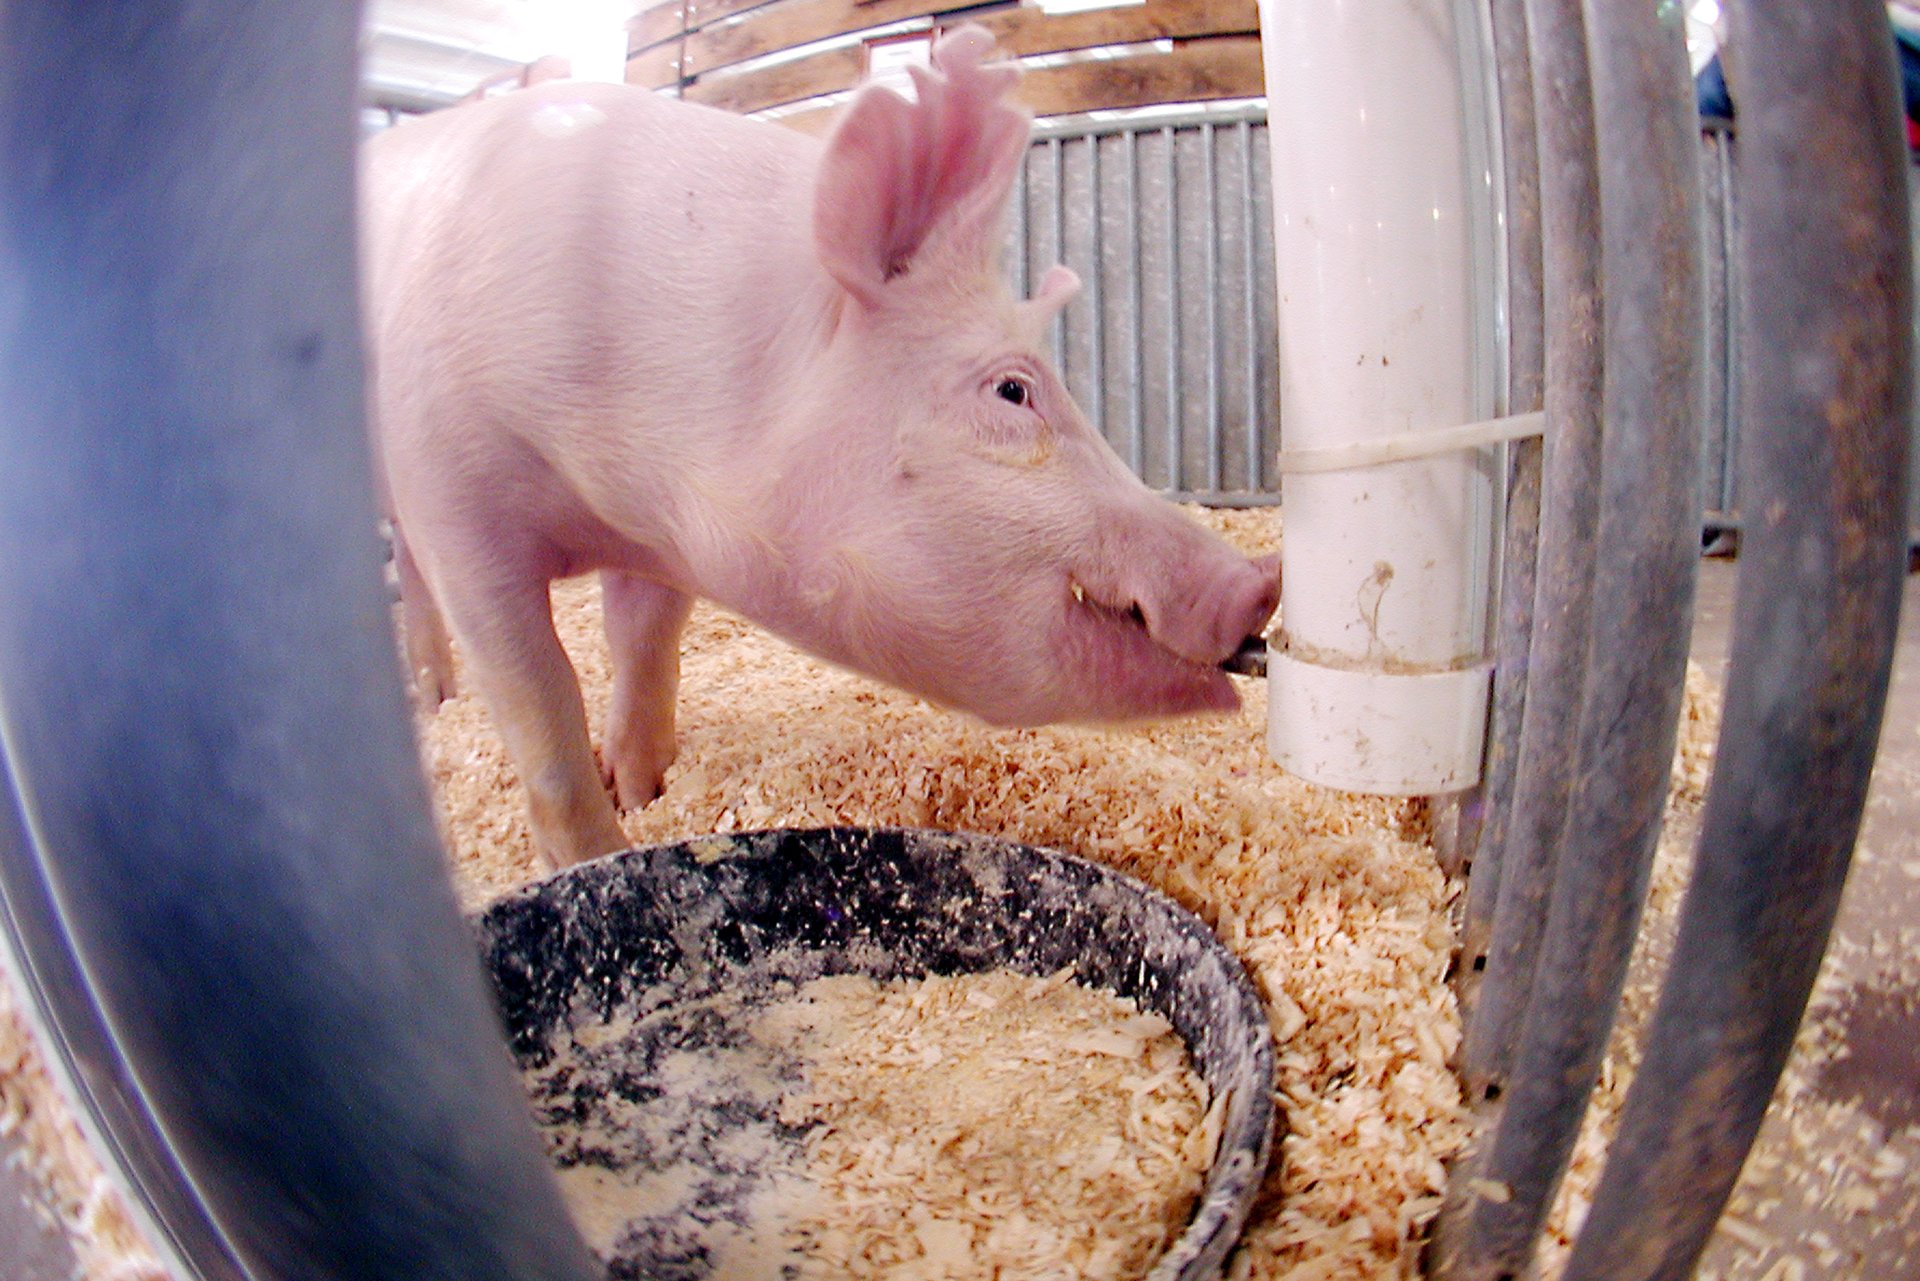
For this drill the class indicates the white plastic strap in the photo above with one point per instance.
(1411, 444)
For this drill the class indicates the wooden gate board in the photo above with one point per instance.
(717, 51)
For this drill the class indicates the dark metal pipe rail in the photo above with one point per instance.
(1646, 552)
(1169, 348)
(216, 851)
(1481, 835)
(1507, 894)
(78, 1042)
(1829, 380)
(1483, 814)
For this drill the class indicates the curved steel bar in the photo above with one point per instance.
(1481, 834)
(1647, 555)
(1829, 382)
(78, 1047)
(226, 875)
(1505, 916)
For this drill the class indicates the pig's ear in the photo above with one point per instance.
(1057, 288)
(898, 174)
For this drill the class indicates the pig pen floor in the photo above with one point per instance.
(1829, 1193)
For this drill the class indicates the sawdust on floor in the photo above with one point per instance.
(1334, 902)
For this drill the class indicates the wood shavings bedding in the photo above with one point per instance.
(928, 1095)
(879, 1130)
(1333, 901)
(76, 1192)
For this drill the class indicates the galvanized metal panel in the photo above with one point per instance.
(1170, 348)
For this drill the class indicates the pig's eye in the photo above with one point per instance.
(1013, 391)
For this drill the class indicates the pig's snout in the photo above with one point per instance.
(1205, 616)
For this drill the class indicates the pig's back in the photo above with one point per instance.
(564, 254)
(589, 185)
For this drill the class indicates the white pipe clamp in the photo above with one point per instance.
(1386, 733)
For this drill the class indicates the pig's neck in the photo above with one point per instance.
(799, 489)
(731, 460)
(749, 461)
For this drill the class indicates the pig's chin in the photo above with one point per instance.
(1091, 663)
(1120, 673)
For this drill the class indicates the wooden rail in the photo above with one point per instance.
(717, 51)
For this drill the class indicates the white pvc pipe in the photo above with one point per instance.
(1379, 678)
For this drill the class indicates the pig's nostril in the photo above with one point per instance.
(1135, 613)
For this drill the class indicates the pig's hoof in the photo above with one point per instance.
(434, 688)
(564, 854)
(571, 824)
(635, 784)
(631, 797)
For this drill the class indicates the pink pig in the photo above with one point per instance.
(708, 356)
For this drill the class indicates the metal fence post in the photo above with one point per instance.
(1480, 840)
(1506, 910)
(1828, 385)
(222, 815)
(1646, 551)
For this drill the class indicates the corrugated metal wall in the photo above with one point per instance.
(1171, 348)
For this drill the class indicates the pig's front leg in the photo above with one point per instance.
(643, 622)
(429, 656)
(519, 668)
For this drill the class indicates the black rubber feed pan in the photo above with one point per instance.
(658, 940)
